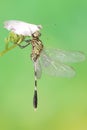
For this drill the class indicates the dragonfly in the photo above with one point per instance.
(54, 62)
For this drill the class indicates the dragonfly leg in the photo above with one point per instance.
(23, 46)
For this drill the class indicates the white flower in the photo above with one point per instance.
(21, 28)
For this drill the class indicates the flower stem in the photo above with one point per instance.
(8, 49)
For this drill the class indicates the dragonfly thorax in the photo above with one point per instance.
(37, 47)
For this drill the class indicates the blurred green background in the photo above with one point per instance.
(62, 102)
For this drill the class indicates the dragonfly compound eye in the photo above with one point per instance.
(36, 34)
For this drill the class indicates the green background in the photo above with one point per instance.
(62, 102)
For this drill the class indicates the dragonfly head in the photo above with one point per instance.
(36, 34)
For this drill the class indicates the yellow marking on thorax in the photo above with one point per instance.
(37, 47)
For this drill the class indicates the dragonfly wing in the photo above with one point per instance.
(66, 56)
(55, 68)
(38, 69)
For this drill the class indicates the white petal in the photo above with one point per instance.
(21, 28)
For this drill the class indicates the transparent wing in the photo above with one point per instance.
(38, 69)
(65, 56)
(55, 68)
